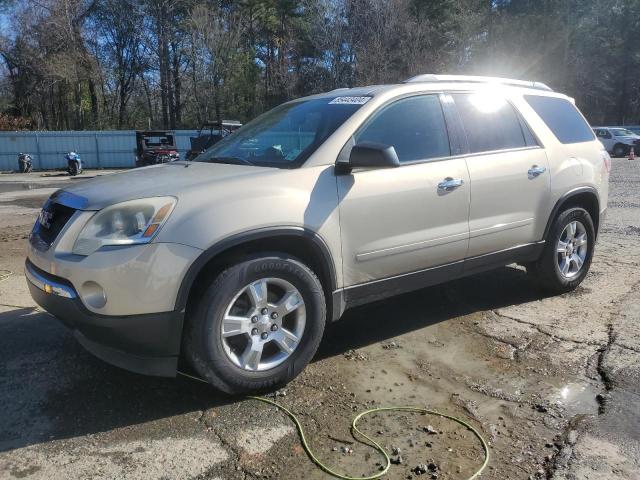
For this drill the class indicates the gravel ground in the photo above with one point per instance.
(551, 382)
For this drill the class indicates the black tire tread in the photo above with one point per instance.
(194, 346)
(543, 271)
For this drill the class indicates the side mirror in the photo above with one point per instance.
(370, 155)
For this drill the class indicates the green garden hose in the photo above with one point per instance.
(371, 442)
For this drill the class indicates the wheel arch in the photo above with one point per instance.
(301, 243)
(584, 197)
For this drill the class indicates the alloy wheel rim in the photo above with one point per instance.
(571, 249)
(263, 324)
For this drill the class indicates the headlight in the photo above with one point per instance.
(126, 223)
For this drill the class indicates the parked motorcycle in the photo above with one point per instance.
(74, 163)
(25, 163)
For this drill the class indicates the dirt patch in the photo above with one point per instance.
(551, 382)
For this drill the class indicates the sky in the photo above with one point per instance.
(4, 24)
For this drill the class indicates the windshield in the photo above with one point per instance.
(158, 141)
(285, 136)
(621, 132)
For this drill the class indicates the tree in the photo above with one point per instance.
(119, 24)
(177, 63)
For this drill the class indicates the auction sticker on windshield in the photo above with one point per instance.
(349, 100)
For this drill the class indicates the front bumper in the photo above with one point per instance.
(145, 343)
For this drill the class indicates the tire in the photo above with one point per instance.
(547, 270)
(620, 150)
(73, 169)
(223, 360)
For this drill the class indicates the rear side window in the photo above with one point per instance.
(414, 126)
(562, 118)
(490, 122)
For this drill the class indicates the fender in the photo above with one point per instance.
(252, 235)
(567, 196)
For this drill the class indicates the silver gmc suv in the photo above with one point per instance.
(235, 262)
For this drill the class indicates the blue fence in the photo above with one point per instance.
(98, 149)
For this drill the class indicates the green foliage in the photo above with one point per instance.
(177, 63)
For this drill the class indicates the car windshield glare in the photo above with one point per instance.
(285, 136)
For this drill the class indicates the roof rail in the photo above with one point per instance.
(477, 79)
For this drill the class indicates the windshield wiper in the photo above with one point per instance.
(229, 160)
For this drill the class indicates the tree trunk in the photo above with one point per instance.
(170, 85)
(177, 87)
(94, 104)
(216, 100)
(149, 103)
(122, 106)
(163, 53)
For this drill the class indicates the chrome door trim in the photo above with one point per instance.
(409, 247)
(500, 227)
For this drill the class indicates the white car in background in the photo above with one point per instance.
(617, 140)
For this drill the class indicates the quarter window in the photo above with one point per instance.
(562, 118)
(414, 126)
(490, 122)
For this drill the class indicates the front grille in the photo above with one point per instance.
(51, 221)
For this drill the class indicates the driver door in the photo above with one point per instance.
(399, 223)
(605, 138)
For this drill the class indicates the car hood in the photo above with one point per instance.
(169, 179)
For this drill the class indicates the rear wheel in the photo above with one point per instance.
(567, 253)
(620, 150)
(74, 168)
(257, 325)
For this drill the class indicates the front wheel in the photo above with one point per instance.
(257, 325)
(74, 169)
(567, 253)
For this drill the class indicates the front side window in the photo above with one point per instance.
(622, 132)
(562, 118)
(490, 122)
(286, 135)
(414, 126)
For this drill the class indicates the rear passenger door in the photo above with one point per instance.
(400, 220)
(508, 170)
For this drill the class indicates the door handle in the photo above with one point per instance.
(449, 184)
(535, 171)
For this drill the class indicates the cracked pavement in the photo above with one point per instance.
(553, 383)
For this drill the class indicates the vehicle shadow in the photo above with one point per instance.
(396, 316)
(51, 388)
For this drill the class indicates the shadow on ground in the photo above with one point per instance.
(50, 388)
(390, 318)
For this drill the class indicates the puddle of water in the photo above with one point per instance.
(22, 186)
(577, 397)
